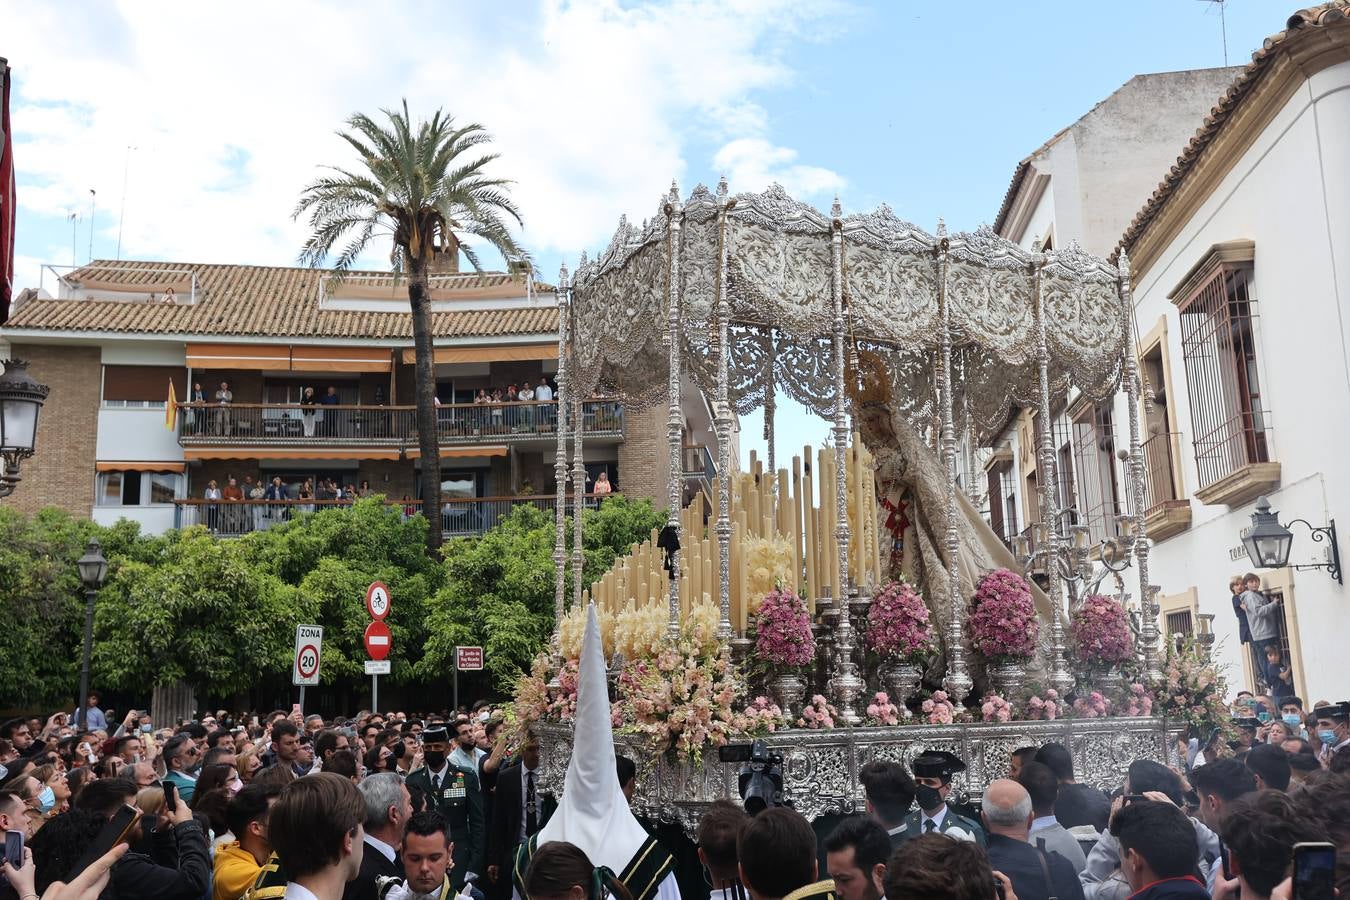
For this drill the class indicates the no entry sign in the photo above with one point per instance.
(308, 654)
(378, 640)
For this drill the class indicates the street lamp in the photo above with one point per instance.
(1268, 542)
(20, 401)
(93, 569)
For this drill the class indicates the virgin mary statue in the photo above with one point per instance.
(909, 472)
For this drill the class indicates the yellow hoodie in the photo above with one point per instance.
(236, 870)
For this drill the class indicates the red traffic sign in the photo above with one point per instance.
(468, 659)
(307, 661)
(378, 600)
(378, 640)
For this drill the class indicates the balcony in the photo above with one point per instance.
(1234, 461)
(1165, 512)
(264, 425)
(460, 517)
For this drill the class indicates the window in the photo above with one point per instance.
(1219, 351)
(142, 387)
(136, 488)
(1003, 501)
(1094, 455)
(1159, 465)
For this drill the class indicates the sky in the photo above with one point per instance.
(214, 116)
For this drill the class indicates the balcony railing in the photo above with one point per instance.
(208, 424)
(460, 517)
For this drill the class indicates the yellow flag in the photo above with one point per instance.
(171, 408)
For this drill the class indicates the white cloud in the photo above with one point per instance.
(755, 163)
(594, 105)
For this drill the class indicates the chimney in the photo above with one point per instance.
(445, 257)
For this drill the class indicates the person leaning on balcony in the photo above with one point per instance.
(224, 397)
(195, 420)
(526, 395)
(276, 491)
(602, 485)
(308, 405)
(212, 509)
(330, 417)
(497, 400)
(544, 394)
(306, 493)
(233, 494)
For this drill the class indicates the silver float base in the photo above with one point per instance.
(821, 766)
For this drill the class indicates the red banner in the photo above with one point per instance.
(8, 206)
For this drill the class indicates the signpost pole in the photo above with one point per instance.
(456, 692)
(374, 693)
(302, 699)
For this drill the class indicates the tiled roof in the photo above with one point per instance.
(1305, 22)
(1019, 175)
(269, 301)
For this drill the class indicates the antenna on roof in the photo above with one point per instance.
(74, 219)
(122, 216)
(93, 199)
(1223, 25)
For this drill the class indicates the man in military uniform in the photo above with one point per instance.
(453, 792)
(933, 771)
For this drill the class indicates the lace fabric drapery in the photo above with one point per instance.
(778, 276)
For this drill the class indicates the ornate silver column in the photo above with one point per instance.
(958, 681)
(770, 407)
(675, 418)
(723, 412)
(560, 465)
(1148, 627)
(578, 483)
(1059, 676)
(845, 685)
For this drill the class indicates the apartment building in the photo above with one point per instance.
(1239, 248)
(111, 337)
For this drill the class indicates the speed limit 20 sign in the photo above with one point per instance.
(308, 653)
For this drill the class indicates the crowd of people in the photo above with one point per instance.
(429, 806)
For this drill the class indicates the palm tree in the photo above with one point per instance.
(419, 185)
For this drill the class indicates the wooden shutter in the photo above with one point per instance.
(143, 383)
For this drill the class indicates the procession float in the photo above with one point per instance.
(853, 604)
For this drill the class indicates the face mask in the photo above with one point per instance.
(145, 729)
(482, 717)
(1327, 737)
(46, 800)
(1263, 717)
(236, 786)
(1293, 720)
(928, 797)
(435, 759)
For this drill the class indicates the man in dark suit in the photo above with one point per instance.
(453, 792)
(520, 809)
(890, 794)
(388, 809)
(1035, 874)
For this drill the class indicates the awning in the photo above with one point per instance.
(257, 452)
(340, 359)
(269, 357)
(509, 353)
(122, 466)
(460, 452)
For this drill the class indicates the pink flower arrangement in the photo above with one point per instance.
(1137, 701)
(1192, 691)
(1047, 706)
(533, 701)
(761, 716)
(1099, 632)
(994, 708)
(784, 639)
(683, 707)
(1002, 619)
(881, 711)
(818, 714)
(898, 623)
(1093, 706)
(939, 709)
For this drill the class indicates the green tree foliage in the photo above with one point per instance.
(220, 614)
(498, 590)
(199, 611)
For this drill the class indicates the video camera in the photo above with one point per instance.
(761, 778)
